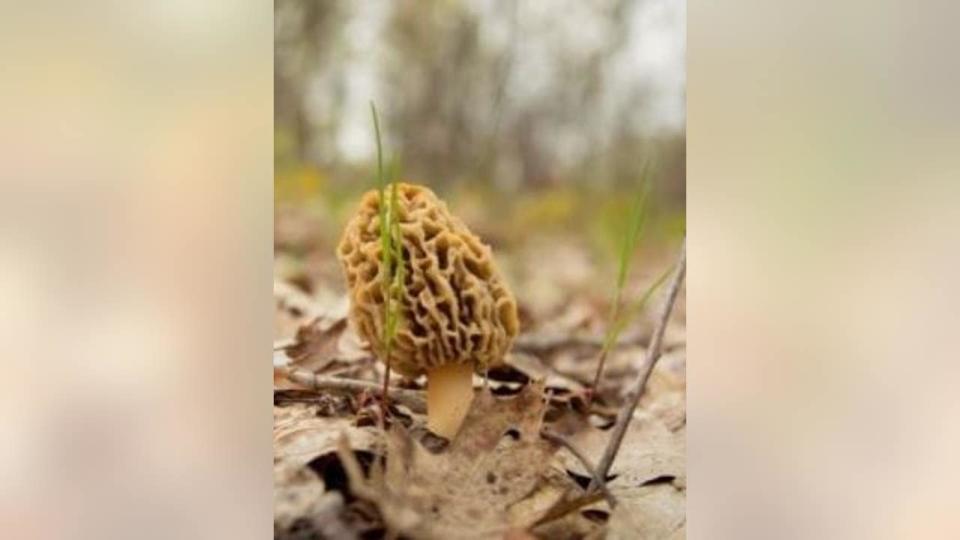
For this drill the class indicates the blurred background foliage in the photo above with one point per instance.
(532, 119)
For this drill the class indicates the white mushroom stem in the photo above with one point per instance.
(449, 394)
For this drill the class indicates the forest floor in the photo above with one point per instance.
(340, 473)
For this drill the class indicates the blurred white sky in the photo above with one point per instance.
(654, 59)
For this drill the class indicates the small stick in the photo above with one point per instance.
(596, 378)
(605, 350)
(414, 399)
(653, 354)
(385, 403)
(562, 441)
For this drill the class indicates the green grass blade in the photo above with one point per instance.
(376, 129)
(635, 309)
(386, 249)
(397, 274)
(391, 240)
(631, 238)
(616, 323)
(638, 216)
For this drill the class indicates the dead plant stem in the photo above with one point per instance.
(650, 361)
(414, 399)
(556, 438)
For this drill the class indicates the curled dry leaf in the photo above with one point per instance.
(491, 479)
(299, 435)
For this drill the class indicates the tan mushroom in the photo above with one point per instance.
(457, 314)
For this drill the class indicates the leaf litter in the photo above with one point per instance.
(338, 474)
(491, 479)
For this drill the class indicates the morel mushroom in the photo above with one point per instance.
(457, 315)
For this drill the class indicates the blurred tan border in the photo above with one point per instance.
(135, 269)
(823, 197)
(135, 204)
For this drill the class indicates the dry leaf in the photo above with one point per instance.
(300, 502)
(293, 307)
(671, 409)
(650, 475)
(649, 451)
(478, 486)
(316, 344)
(652, 512)
(300, 436)
(418, 491)
(534, 369)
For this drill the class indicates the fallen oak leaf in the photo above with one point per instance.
(477, 486)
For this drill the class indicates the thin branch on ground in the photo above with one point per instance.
(595, 385)
(414, 399)
(653, 354)
(556, 438)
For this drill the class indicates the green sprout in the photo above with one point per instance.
(391, 252)
(620, 317)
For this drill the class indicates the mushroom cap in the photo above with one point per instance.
(454, 305)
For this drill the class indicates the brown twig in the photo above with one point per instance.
(556, 438)
(653, 354)
(414, 399)
(595, 386)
